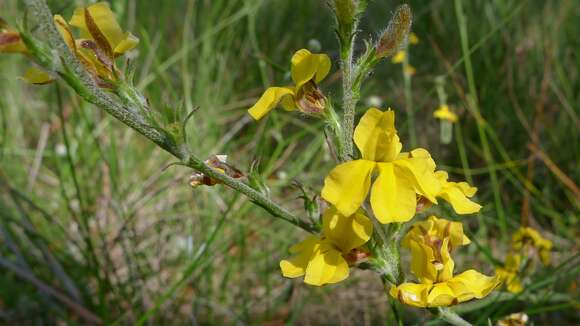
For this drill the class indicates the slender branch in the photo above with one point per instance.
(74, 73)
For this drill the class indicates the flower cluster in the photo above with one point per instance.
(431, 243)
(401, 177)
(525, 243)
(101, 42)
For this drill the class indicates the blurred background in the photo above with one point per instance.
(94, 225)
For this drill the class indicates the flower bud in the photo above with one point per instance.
(393, 38)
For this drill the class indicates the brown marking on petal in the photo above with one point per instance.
(310, 100)
(98, 52)
(98, 35)
(356, 256)
(70, 36)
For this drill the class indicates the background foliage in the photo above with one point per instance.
(92, 220)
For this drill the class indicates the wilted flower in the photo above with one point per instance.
(217, 162)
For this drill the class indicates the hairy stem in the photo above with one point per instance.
(349, 94)
(451, 317)
(74, 73)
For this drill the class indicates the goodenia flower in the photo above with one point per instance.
(431, 243)
(98, 23)
(509, 273)
(400, 177)
(528, 236)
(444, 113)
(455, 193)
(307, 70)
(219, 163)
(10, 40)
(323, 260)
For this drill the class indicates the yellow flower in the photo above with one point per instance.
(98, 23)
(509, 273)
(455, 193)
(444, 113)
(515, 319)
(463, 287)
(399, 177)
(399, 57)
(307, 70)
(527, 235)
(413, 38)
(409, 70)
(431, 243)
(322, 259)
(10, 40)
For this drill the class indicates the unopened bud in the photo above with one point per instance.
(344, 11)
(393, 38)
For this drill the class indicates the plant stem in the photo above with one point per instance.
(77, 77)
(473, 105)
(451, 317)
(349, 94)
(409, 101)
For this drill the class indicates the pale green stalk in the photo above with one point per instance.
(474, 106)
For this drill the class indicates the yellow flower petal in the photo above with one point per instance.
(437, 228)
(393, 198)
(37, 76)
(296, 265)
(411, 294)
(348, 184)
(376, 136)
(441, 295)
(269, 100)
(101, 24)
(399, 57)
(420, 175)
(346, 232)
(409, 70)
(65, 31)
(128, 43)
(326, 266)
(307, 66)
(11, 42)
(444, 113)
(472, 284)
(457, 194)
(413, 39)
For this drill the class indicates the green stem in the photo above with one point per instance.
(74, 73)
(451, 317)
(474, 107)
(409, 101)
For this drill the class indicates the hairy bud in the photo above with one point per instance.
(396, 33)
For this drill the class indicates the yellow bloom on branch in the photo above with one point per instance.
(393, 193)
(528, 236)
(431, 243)
(444, 113)
(98, 23)
(455, 193)
(399, 57)
(10, 40)
(323, 260)
(307, 70)
(509, 273)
